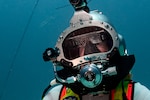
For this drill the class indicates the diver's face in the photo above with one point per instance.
(101, 47)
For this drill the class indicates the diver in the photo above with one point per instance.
(91, 62)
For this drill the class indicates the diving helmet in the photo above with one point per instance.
(90, 53)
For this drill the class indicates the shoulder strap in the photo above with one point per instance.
(67, 94)
(116, 94)
(62, 92)
(130, 90)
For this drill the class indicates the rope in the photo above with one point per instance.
(17, 50)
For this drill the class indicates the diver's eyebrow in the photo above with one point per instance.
(84, 35)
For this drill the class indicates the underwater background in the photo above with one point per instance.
(28, 27)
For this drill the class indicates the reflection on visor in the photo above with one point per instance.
(86, 41)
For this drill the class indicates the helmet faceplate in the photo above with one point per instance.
(88, 36)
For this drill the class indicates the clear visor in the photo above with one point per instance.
(86, 41)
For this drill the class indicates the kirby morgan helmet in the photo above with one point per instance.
(90, 55)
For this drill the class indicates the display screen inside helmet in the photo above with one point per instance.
(85, 41)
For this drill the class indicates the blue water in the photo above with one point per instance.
(24, 74)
